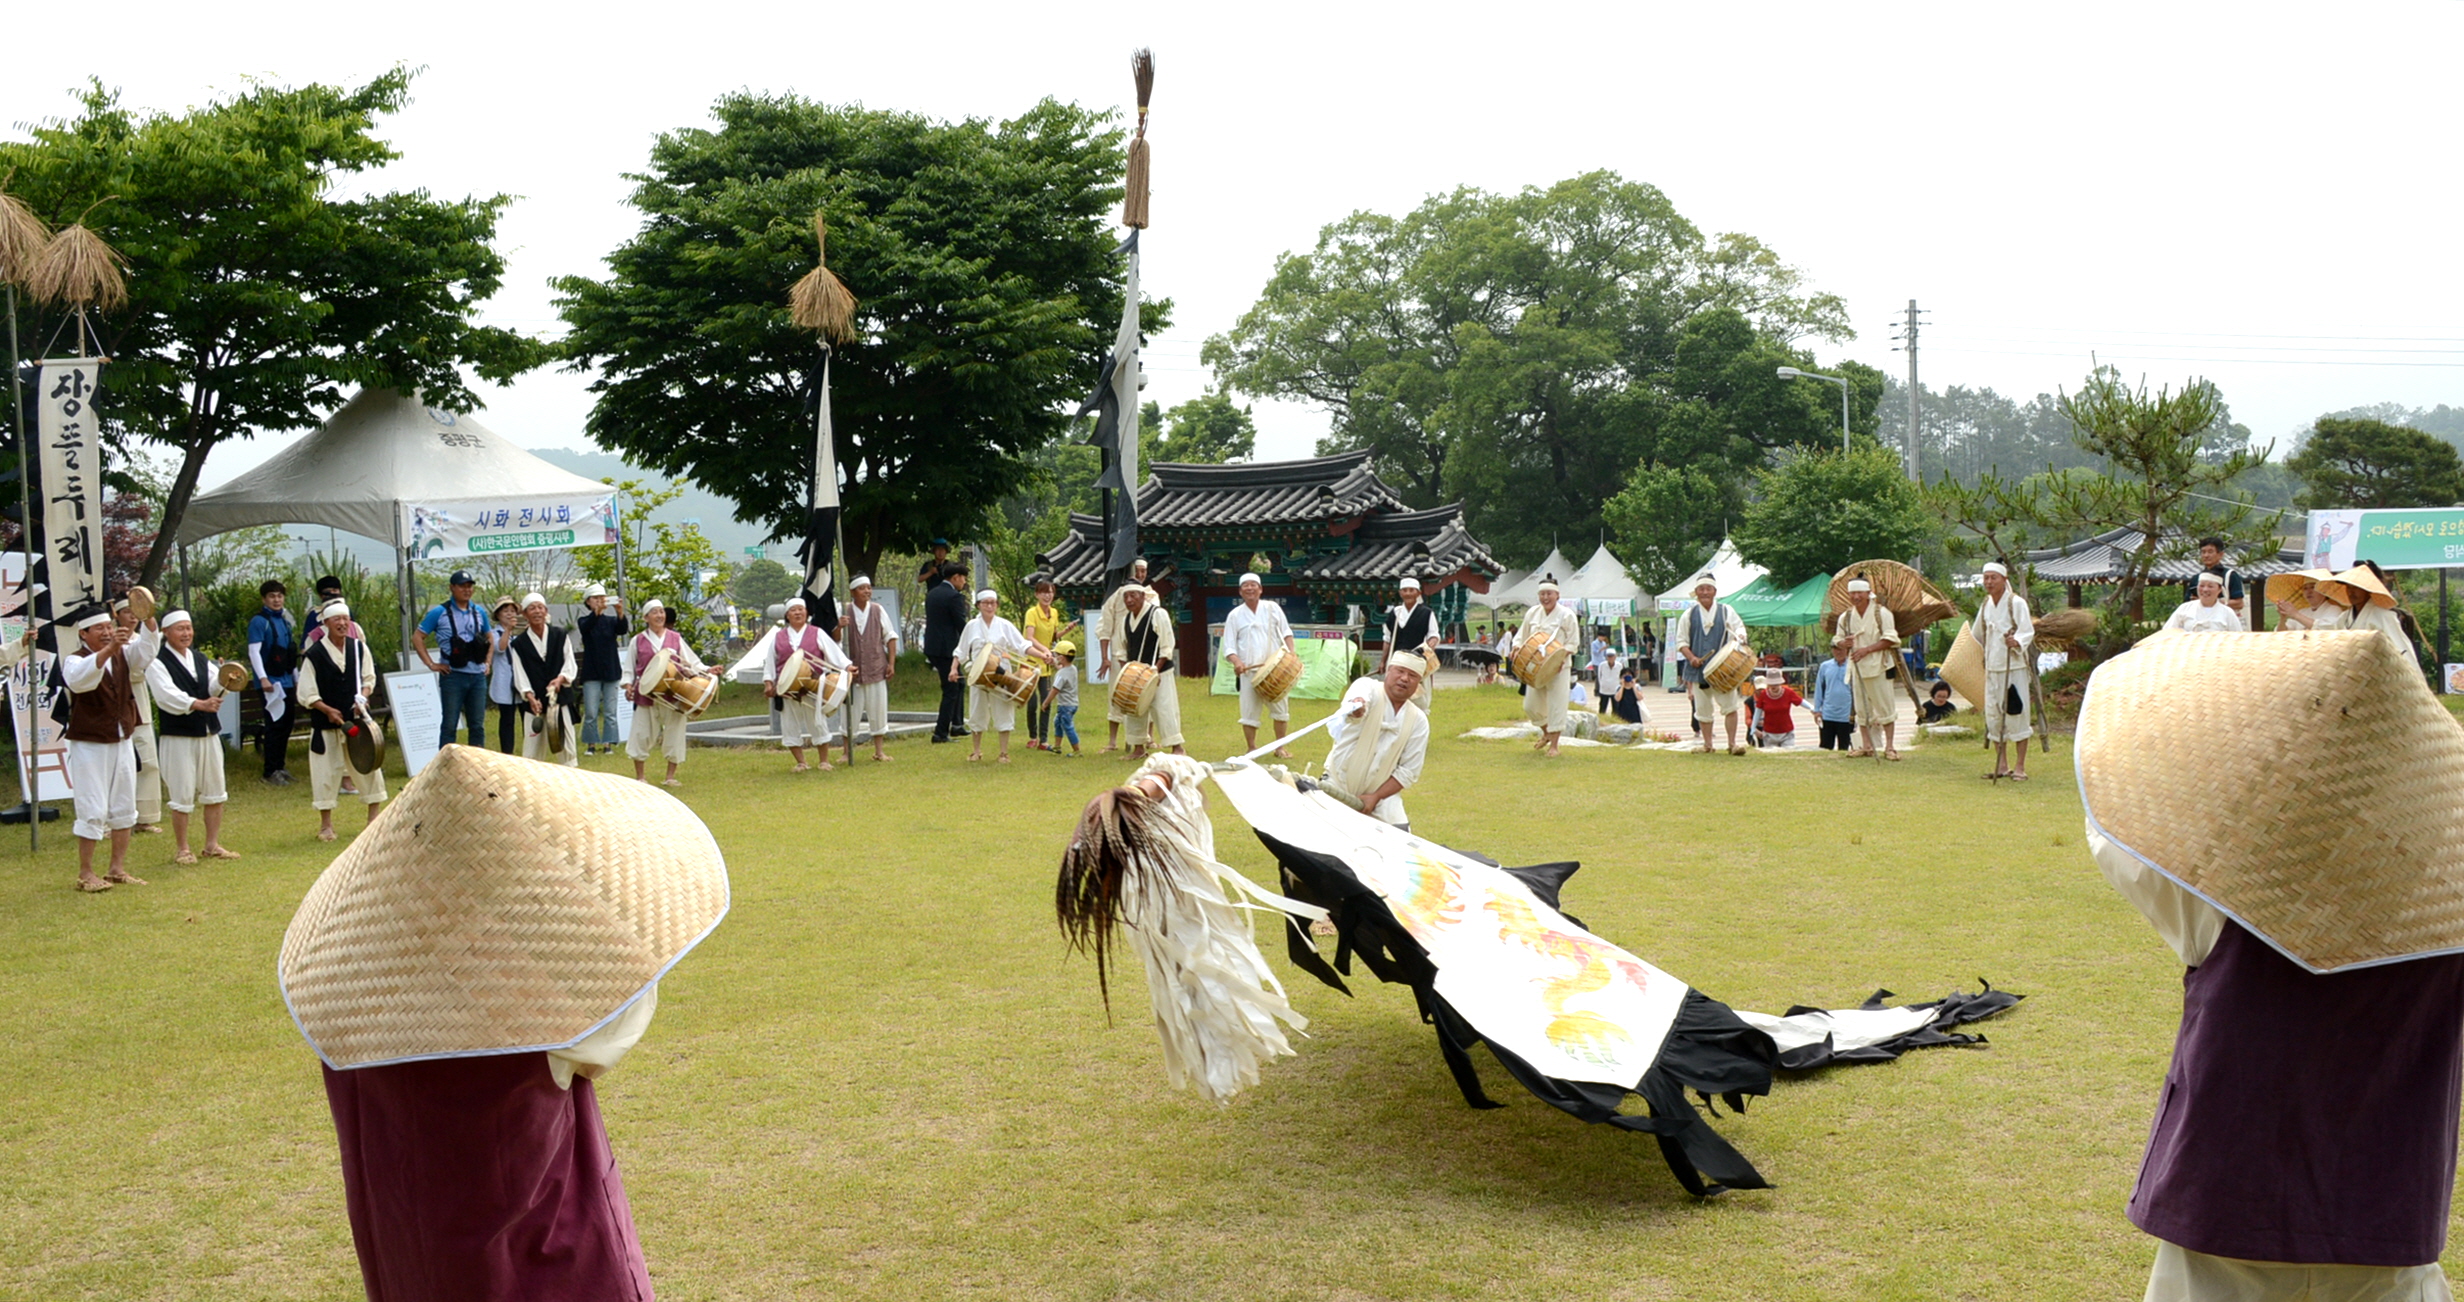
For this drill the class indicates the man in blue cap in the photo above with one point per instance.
(460, 628)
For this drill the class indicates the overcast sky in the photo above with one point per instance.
(2250, 193)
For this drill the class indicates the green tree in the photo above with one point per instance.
(988, 282)
(260, 295)
(1668, 520)
(1209, 429)
(2349, 462)
(2169, 459)
(1818, 511)
(762, 584)
(1525, 353)
(662, 560)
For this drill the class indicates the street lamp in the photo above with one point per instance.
(1792, 373)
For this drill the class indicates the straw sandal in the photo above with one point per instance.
(185, 858)
(671, 782)
(325, 834)
(125, 878)
(1891, 755)
(93, 885)
(219, 852)
(1736, 750)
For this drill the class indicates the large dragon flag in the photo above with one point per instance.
(1488, 952)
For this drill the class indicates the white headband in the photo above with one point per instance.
(1251, 578)
(335, 609)
(98, 617)
(1549, 585)
(653, 604)
(862, 581)
(797, 603)
(2210, 576)
(533, 599)
(1408, 660)
(175, 617)
(1411, 583)
(1859, 585)
(987, 595)
(1997, 567)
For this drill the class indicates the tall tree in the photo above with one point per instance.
(2348, 462)
(1669, 519)
(2169, 458)
(984, 265)
(1525, 353)
(258, 299)
(1818, 511)
(1209, 429)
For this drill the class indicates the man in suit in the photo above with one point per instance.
(945, 618)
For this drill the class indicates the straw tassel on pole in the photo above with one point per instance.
(821, 302)
(1134, 201)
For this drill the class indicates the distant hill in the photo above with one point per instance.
(717, 515)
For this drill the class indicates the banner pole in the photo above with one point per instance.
(26, 773)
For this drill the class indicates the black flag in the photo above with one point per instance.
(1115, 404)
(821, 511)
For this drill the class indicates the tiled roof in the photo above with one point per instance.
(2105, 557)
(1077, 561)
(1319, 491)
(1421, 544)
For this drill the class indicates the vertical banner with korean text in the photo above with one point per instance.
(31, 695)
(72, 478)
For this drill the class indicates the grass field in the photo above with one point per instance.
(881, 1078)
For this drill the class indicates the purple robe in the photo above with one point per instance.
(2308, 1118)
(477, 1178)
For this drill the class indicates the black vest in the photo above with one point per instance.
(537, 670)
(1409, 633)
(1145, 636)
(189, 677)
(337, 685)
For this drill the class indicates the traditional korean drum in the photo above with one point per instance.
(834, 688)
(663, 684)
(1729, 669)
(1133, 689)
(1538, 660)
(799, 677)
(1279, 677)
(996, 670)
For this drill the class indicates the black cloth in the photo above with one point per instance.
(1410, 633)
(508, 729)
(274, 736)
(1838, 733)
(945, 618)
(596, 659)
(337, 686)
(1936, 712)
(191, 674)
(1144, 642)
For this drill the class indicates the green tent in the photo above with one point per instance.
(1763, 603)
(1325, 673)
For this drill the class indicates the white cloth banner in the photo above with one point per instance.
(72, 481)
(488, 526)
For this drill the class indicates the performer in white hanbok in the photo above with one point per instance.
(2373, 605)
(102, 760)
(336, 677)
(1545, 703)
(2207, 614)
(1708, 627)
(543, 673)
(1146, 638)
(1871, 634)
(2308, 601)
(801, 722)
(2008, 634)
(1411, 625)
(185, 692)
(1253, 632)
(872, 643)
(657, 726)
(988, 709)
(1114, 608)
(1381, 739)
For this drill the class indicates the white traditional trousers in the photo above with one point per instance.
(325, 773)
(657, 730)
(192, 772)
(1711, 706)
(990, 711)
(2006, 727)
(1160, 726)
(102, 779)
(1546, 704)
(535, 742)
(871, 703)
(801, 722)
(1876, 704)
(2181, 1275)
(1251, 705)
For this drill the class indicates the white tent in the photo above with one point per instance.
(370, 463)
(1604, 578)
(1526, 590)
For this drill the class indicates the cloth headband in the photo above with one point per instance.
(1859, 585)
(533, 599)
(1413, 585)
(175, 617)
(987, 595)
(797, 603)
(1550, 586)
(98, 617)
(862, 581)
(335, 609)
(1252, 578)
(1408, 660)
(653, 604)
(2210, 576)
(1997, 567)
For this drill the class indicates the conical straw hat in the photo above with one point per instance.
(2360, 578)
(2286, 586)
(2308, 784)
(500, 905)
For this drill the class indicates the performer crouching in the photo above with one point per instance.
(657, 726)
(2007, 633)
(1381, 737)
(872, 643)
(543, 670)
(1871, 634)
(987, 708)
(182, 680)
(1545, 703)
(801, 722)
(102, 760)
(334, 692)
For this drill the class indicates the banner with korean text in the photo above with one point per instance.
(72, 479)
(488, 526)
(2397, 540)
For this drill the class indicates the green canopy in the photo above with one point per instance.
(1763, 603)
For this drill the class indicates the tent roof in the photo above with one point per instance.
(1604, 578)
(381, 449)
(1763, 603)
(1726, 569)
(1526, 590)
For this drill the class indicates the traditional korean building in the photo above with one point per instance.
(1324, 534)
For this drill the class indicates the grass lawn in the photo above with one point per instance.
(881, 1078)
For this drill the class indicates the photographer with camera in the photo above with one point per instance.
(461, 628)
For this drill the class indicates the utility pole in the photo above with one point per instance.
(1907, 342)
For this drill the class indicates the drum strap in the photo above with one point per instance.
(1376, 748)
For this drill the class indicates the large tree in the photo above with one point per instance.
(988, 282)
(1819, 511)
(2349, 462)
(1526, 353)
(258, 297)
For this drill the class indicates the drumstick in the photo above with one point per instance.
(1287, 738)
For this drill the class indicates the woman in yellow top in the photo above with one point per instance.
(1043, 625)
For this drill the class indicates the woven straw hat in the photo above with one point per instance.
(2360, 579)
(2286, 586)
(2308, 784)
(498, 906)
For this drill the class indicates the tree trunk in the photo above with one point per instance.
(198, 444)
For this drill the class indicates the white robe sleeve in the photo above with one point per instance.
(83, 673)
(600, 1051)
(167, 696)
(2187, 923)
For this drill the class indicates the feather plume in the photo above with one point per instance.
(1142, 70)
(78, 270)
(22, 237)
(1134, 197)
(821, 301)
(1110, 855)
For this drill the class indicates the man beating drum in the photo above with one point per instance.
(1253, 634)
(1145, 638)
(1710, 627)
(1545, 703)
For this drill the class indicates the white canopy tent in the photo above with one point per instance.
(375, 462)
(1603, 578)
(1727, 571)
(1525, 591)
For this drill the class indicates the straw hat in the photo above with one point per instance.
(2307, 784)
(2286, 586)
(2360, 577)
(498, 906)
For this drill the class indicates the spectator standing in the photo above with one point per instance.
(508, 617)
(1834, 702)
(460, 629)
(945, 617)
(273, 655)
(599, 634)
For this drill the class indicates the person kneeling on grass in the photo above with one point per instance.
(1773, 704)
(1939, 709)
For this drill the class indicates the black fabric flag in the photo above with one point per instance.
(1115, 404)
(821, 511)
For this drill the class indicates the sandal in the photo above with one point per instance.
(218, 852)
(93, 885)
(2016, 776)
(1891, 755)
(185, 858)
(671, 782)
(125, 878)
(1736, 750)
(325, 834)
